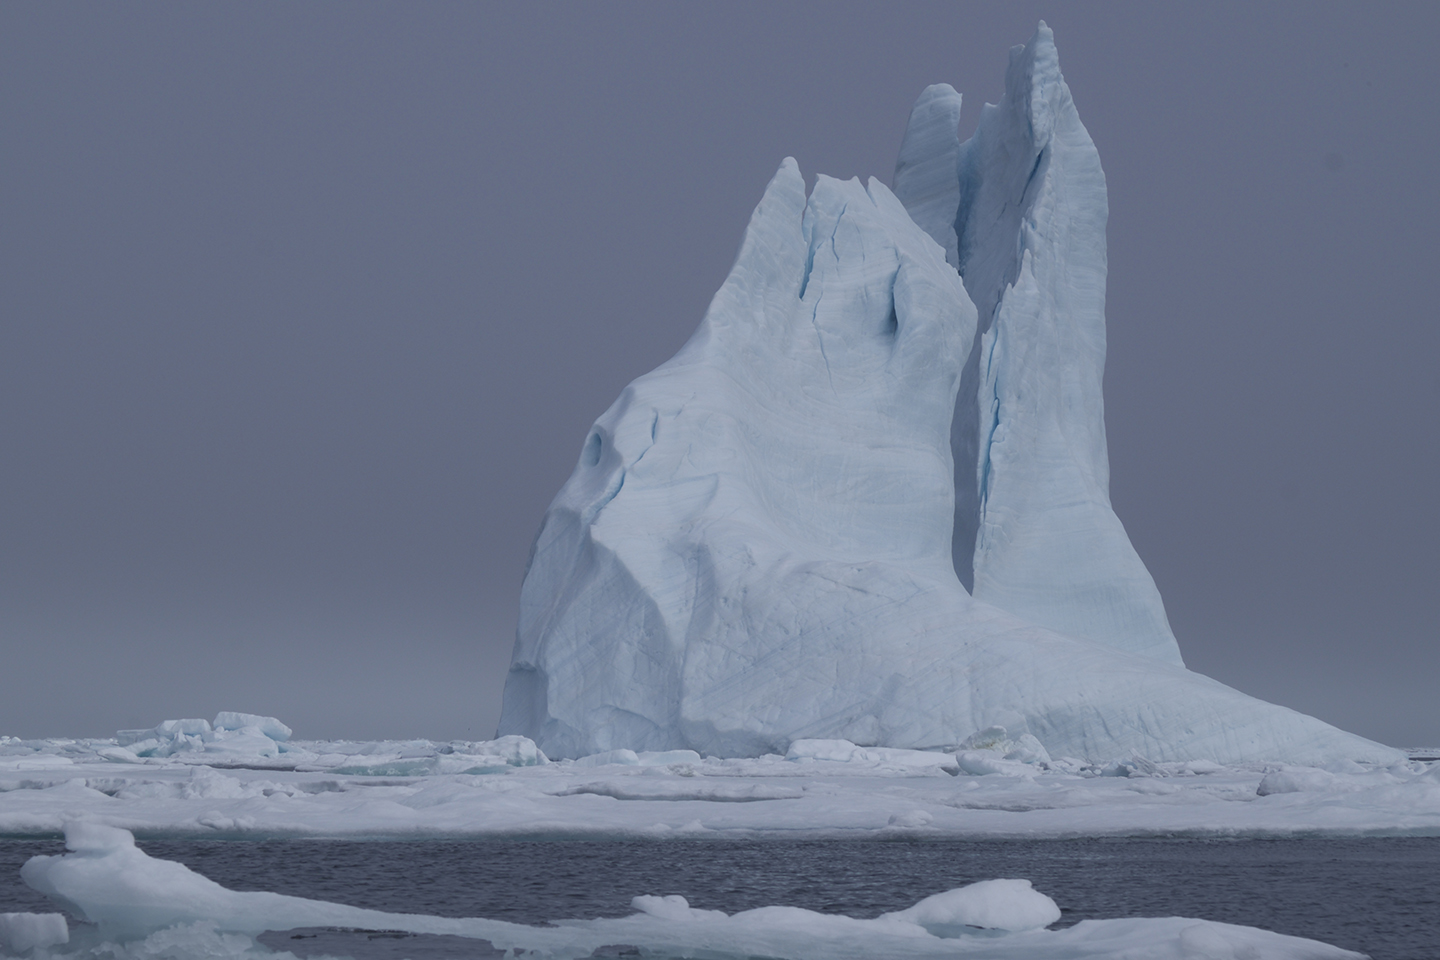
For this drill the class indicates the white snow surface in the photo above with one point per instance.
(755, 546)
(995, 786)
(136, 901)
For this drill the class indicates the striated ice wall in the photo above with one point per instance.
(764, 539)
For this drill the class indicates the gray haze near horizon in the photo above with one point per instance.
(307, 309)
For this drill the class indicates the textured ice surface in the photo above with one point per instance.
(1034, 531)
(237, 734)
(755, 546)
(927, 177)
(21, 932)
(1009, 905)
(995, 787)
(267, 726)
(132, 897)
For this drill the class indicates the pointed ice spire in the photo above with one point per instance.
(753, 548)
(925, 174)
(1034, 530)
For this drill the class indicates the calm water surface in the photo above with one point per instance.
(1378, 896)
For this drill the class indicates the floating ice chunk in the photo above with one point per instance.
(33, 762)
(177, 912)
(674, 908)
(991, 738)
(1340, 778)
(20, 932)
(452, 763)
(127, 737)
(247, 741)
(838, 751)
(242, 734)
(1132, 766)
(117, 755)
(165, 739)
(633, 788)
(1008, 905)
(1198, 768)
(268, 726)
(980, 763)
(107, 880)
(190, 728)
(992, 751)
(899, 756)
(1299, 780)
(387, 767)
(624, 757)
(663, 758)
(912, 819)
(1025, 748)
(515, 750)
(843, 751)
(208, 784)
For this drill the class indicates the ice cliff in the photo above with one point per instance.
(765, 538)
(1020, 209)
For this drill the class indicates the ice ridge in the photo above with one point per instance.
(755, 546)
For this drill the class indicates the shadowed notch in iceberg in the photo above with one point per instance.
(755, 546)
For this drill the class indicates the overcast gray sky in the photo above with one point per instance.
(305, 310)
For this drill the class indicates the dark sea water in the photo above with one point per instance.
(1378, 896)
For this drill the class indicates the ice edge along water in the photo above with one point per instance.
(142, 906)
(994, 786)
(756, 544)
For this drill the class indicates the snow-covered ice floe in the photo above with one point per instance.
(159, 907)
(992, 785)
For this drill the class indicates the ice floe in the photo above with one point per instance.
(993, 785)
(164, 908)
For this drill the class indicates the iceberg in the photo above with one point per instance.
(1024, 210)
(768, 538)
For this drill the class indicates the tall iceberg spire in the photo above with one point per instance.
(755, 544)
(925, 174)
(1034, 530)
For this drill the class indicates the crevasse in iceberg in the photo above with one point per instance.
(756, 544)
(1024, 211)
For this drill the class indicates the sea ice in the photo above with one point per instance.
(239, 734)
(20, 932)
(755, 545)
(131, 897)
(267, 726)
(1009, 905)
(422, 789)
